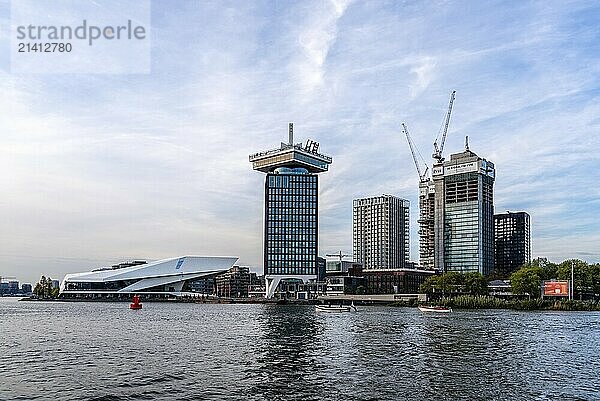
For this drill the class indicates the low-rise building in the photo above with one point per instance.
(235, 283)
(26, 288)
(395, 281)
(161, 279)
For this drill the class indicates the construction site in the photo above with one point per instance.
(456, 206)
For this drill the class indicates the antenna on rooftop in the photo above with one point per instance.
(291, 134)
(467, 142)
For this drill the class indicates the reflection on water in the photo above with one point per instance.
(105, 351)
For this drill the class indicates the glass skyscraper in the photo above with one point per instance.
(291, 210)
(512, 232)
(464, 214)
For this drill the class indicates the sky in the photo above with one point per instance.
(98, 168)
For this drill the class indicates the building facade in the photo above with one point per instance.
(426, 224)
(512, 233)
(464, 214)
(380, 227)
(291, 210)
(234, 283)
(395, 281)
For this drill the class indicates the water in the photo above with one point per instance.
(104, 351)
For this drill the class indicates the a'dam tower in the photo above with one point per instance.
(291, 209)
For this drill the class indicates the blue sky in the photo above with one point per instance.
(98, 168)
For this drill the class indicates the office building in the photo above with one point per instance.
(464, 214)
(512, 233)
(380, 229)
(291, 210)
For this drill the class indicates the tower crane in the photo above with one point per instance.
(437, 153)
(422, 174)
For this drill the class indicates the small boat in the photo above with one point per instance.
(136, 303)
(336, 308)
(436, 309)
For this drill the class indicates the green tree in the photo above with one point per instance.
(430, 285)
(43, 288)
(583, 273)
(527, 281)
(475, 284)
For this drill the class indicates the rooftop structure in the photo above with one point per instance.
(291, 155)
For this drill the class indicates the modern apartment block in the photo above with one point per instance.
(464, 214)
(512, 232)
(381, 232)
(291, 209)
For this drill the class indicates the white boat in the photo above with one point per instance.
(335, 308)
(435, 309)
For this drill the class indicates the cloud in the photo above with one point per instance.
(315, 41)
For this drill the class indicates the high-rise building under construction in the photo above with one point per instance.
(426, 224)
(464, 214)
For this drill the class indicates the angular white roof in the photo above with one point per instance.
(179, 266)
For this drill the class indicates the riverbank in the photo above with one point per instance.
(489, 302)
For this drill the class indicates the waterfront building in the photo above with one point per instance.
(163, 278)
(512, 234)
(342, 267)
(202, 286)
(291, 210)
(9, 287)
(26, 288)
(464, 214)
(380, 228)
(345, 277)
(235, 283)
(395, 281)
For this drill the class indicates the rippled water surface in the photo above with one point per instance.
(104, 351)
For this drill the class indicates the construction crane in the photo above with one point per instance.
(437, 153)
(337, 255)
(422, 174)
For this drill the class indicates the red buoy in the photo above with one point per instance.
(136, 303)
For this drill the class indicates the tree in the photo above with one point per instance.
(527, 281)
(454, 282)
(43, 288)
(475, 284)
(430, 285)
